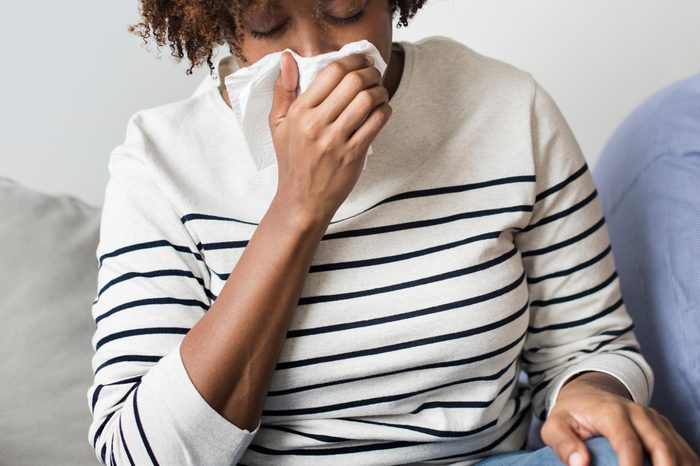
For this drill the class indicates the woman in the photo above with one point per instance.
(312, 312)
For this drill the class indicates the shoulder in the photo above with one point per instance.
(163, 119)
(444, 58)
(662, 128)
(154, 134)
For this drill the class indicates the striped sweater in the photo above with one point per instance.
(472, 247)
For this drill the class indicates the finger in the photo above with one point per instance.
(371, 126)
(352, 84)
(684, 454)
(558, 433)
(285, 89)
(359, 109)
(655, 438)
(617, 427)
(329, 77)
(687, 454)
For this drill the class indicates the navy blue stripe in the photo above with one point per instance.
(147, 245)
(126, 448)
(464, 404)
(540, 386)
(409, 284)
(130, 358)
(317, 437)
(142, 331)
(380, 446)
(151, 274)
(111, 452)
(518, 422)
(388, 259)
(572, 240)
(575, 296)
(418, 313)
(425, 223)
(222, 245)
(369, 401)
(428, 431)
(137, 417)
(609, 332)
(517, 403)
(103, 453)
(576, 268)
(98, 389)
(617, 333)
(562, 214)
(151, 301)
(109, 416)
(404, 256)
(563, 184)
(406, 195)
(404, 345)
(458, 362)
(195, 216)
(396, 226)
(576, 323)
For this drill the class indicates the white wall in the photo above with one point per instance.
(74, 74)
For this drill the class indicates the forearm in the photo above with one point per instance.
(231, 352)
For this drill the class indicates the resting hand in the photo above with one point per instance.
(595, 403)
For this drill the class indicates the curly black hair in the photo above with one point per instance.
(193, 28)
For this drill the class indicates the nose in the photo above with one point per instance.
(314, 39)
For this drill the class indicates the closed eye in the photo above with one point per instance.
(269, 34)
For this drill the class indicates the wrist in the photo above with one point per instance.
(299, 216)
(600, 381)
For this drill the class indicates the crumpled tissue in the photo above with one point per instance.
(251, 89)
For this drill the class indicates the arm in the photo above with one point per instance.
(179, 380)
(578, 320)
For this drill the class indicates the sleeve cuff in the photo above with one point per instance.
(202, 434)
(634, 373)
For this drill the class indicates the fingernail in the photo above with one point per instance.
(575, 459)
(370, 60)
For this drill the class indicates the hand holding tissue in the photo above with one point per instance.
(251, 89)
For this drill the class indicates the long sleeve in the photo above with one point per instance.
(578, 320)
(151, 289)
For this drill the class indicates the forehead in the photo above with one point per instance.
(272, 5)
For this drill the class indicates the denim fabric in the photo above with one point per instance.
(601, 452)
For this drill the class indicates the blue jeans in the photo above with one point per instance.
(599, 448)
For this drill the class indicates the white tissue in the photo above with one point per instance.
(250, 91)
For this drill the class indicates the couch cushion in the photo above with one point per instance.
(48, 275)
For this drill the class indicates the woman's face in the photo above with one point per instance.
(313, 27)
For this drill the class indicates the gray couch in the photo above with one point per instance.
(49, 271)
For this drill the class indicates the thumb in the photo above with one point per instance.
(285, 89)
(560, 436)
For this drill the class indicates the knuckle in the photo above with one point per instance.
(631, 444)
(336, 68)
(355, 80)
(637, 409)
(365, 98)
(310, 127)
(664, 449)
